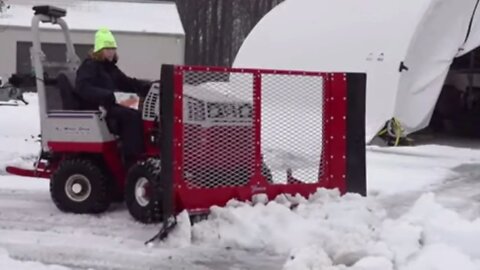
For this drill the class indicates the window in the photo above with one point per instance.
(55, 55)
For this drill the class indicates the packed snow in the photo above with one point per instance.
(421, 213)
(6, 262)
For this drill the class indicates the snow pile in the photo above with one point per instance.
(441, 257)
(8, 263)
(328, 231)
(324, 230)
(326, 220)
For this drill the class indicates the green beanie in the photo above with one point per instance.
(104, 39)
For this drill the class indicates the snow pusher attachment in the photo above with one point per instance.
(231, 133)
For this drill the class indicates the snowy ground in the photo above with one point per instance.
(421, 213)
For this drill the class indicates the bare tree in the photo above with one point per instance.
(215, 29)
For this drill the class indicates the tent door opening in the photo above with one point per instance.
(457, 111)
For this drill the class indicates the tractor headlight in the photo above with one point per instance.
(215, 110)
(229, 110)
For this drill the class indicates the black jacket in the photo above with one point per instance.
(97, 81)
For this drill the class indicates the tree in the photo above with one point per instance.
(215, 29)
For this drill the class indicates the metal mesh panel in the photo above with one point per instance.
(218, 131)
(241, 132)
(292, 127)
(151, 103)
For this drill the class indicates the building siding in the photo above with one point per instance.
(141, 55)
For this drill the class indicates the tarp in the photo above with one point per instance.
(372, 36)
(439, 38)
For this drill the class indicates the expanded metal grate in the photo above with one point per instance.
(222, 128)
(218, 141)
(151, 103)
(292, 126)
(237, 133)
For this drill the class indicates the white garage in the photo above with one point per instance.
(148, 34)
(406, 47)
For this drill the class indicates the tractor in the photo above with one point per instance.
(80, 152)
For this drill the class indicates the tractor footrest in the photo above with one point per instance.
(39, 173)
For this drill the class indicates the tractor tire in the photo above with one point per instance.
(142, 202)
(80, 186)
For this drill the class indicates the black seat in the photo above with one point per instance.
(66, 84)
(70, 100)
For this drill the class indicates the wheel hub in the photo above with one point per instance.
(141, 192)
(78, 188)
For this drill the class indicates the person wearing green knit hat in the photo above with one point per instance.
(104, 39)
(98, 77)
(105, 46)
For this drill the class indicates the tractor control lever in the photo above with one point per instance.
(103, 112)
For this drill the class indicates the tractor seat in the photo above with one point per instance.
(71, 101)
(66, 84)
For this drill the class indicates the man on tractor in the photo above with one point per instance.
(98, 77)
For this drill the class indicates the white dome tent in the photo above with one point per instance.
(373, 36)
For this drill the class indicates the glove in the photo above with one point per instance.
(144, 88)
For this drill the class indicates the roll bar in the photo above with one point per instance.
(53, 15)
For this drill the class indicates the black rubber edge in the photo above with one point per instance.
(356, 175)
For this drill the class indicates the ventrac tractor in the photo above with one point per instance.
(80, 151)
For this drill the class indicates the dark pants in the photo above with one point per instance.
(127, 123)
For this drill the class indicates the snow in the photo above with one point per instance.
(422, 212)
(147, 17)
(6, 262)
(340, 226)
(433, 164)
(347, 233)
(373, 263)
(309, 257)
(351, 232)
(20, 126)
(441, 257)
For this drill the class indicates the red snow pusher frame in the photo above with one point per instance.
(332, 116)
